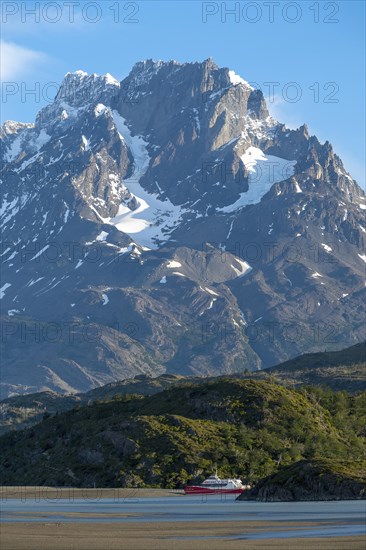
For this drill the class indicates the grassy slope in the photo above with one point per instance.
(346, 357)
(339, 370)
(244, 427)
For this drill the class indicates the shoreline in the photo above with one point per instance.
(70, 493)
(48, 493)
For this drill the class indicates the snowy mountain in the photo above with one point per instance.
(168, 223)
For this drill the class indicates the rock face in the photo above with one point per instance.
(168, 223)
(312, 480)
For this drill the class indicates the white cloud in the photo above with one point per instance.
(18, 62)
(283, 111)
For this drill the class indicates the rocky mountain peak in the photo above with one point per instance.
(143, 71)
(79, 87)
(304, 130)
(198, 77)
(11, 127)
(78, 91)
(146, 173)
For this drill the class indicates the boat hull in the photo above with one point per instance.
(197, 490)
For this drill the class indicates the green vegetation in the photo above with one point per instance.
(346, 357)
(247, 428)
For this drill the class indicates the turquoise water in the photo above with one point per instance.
(341, 517)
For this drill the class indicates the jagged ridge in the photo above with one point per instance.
(172, 158)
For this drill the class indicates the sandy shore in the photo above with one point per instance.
(159, 536)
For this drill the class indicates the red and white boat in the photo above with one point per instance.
(214, 485)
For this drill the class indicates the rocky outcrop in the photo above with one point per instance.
(312, 480)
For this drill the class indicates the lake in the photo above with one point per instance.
(337, 518)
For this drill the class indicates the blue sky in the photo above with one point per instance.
(307, 56)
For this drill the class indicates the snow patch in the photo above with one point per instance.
(244, 268)
(79, 72)
(40, 252)
(102, 236)
(3, 289)
(33, 282)
(264, 171)
(9, 208)
(196, 120)
(14, 149)
(211, 292)
(163, 280)
(111, 80)
(86, 143)
(153, 219)
(172, 264)
(297, 187)
(66, 214)
(41, 139)
(100, 109)
(236, 79)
